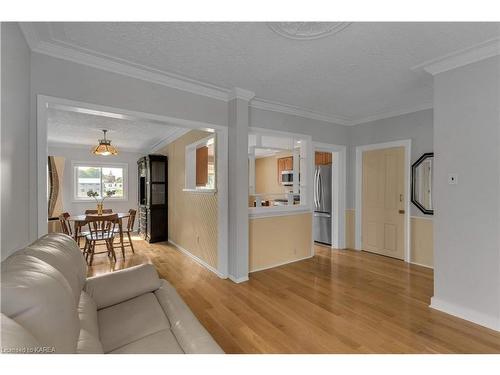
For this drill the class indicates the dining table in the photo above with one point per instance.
(80, 220)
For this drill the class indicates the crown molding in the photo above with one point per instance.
(389, 114)
(30, 34)
(75, 54)
(131, 70)
(239, 93)
(268, 105)
(171, 137)
(462, 57)
(80, 146)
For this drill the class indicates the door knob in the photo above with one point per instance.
(402, 211)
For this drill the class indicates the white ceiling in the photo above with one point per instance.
(362, 71)
(69, 128)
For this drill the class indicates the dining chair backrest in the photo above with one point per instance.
(101, 226)
(131, 219)
(94, 212)
(65, 225)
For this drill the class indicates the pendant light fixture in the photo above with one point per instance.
(104, 147)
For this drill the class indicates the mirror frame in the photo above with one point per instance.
(413, 192)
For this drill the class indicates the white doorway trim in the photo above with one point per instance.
(339, 182)
(44, 102)
(406, 143)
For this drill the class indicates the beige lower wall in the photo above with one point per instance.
(280, 239)
(422, 241)
(192, 217)
(422, 238)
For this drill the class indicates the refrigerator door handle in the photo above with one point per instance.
(318, 202)
(316, 188)
(320, 190)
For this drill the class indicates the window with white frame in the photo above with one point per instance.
(99, 178)
(278, 171)
(200, 165)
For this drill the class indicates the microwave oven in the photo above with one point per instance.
(287, 178)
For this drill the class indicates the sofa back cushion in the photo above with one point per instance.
(39, 298)
(62, 253)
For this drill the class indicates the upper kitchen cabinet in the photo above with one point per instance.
(279, 172)
(322, 158)
(284, 164)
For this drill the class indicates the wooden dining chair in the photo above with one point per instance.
(94, 212)
(129, 229)
(105, 211)
(65, 224)
(102, 230)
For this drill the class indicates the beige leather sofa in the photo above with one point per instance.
(48, 305)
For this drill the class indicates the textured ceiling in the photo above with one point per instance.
(71, 128)
(363, 70)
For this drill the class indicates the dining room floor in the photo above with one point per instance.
(339, 301)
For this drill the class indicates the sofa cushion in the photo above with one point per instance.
(119, 286)
(62, 253)
(190, 334)
(162, 342)
(87, 313)
(38, 297)
(15, 339)
(130, 321)
(88, 341)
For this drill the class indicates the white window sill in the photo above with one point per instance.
(200, 191)
(107, 200)
(260, 212)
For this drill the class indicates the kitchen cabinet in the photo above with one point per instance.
(202, 166)
(322, 158)
(284, 164)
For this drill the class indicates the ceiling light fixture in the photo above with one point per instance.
(104, 147)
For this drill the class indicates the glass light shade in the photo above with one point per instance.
(104, 149)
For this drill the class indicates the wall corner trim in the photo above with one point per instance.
(473, 316)
(238, 280)
(460, 58)
(239, 93)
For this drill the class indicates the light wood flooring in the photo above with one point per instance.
(339, 301)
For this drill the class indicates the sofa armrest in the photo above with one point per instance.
(115, 287)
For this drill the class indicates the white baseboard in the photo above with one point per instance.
(197, 260)
(421, 265)
(473, 316)
(281, 264)
(238, 280)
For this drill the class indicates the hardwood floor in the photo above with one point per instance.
(339, 301)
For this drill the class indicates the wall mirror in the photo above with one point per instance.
(421, 183)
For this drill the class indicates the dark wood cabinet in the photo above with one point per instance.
(153, 203)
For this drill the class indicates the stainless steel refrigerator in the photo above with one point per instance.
(322, 221)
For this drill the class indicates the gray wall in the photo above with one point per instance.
(15, 138)
(466, 224)
(64, 79)
(417, 126)
(320, 131)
